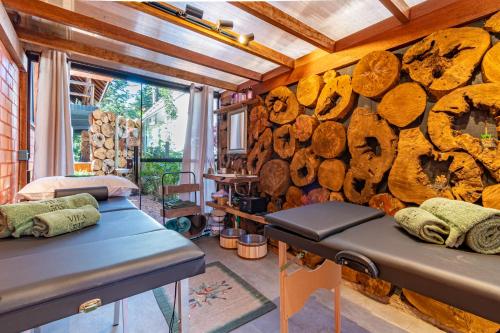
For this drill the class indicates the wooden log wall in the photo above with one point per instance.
(391, 131)
(112, 139)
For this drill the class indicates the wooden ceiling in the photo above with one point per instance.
(292, 39)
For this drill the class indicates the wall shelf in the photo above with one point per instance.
(237, 212)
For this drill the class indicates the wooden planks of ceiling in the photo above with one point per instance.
(287, 34)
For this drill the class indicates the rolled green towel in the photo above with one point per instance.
(423, 224)
(183, 224)
(63, 221)
(478, 226)
(17, 219)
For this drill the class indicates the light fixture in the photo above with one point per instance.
(246, 38)
(194, 12)
(224, 24)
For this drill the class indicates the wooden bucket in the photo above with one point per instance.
(229, 238)
(252, 246)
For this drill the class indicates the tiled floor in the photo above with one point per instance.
(360, 314)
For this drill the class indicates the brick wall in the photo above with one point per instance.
(9, 126)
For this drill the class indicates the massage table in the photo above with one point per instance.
(126, 253)
(366, 240)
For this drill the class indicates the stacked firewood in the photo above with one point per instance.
(113, 140)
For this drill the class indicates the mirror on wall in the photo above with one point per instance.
(237, 131)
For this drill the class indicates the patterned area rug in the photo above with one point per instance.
(219, 301)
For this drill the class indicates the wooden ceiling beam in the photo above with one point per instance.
(278, 18)
(455, 13)
(398, 8)
(253, 47)
(61, 44)
(60, 15)
(9, 39)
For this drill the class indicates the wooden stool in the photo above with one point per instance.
(295, 288)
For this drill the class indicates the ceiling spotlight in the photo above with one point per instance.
(245, 39)
(193, 11)
(224, 24)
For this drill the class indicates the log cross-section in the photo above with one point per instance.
(398, 8)
(253, 47)
(272, 15)
(73, 19)
(32, 37)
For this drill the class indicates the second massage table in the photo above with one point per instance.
(367, 241)
(125, 254)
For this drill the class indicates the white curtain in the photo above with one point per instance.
(53, 133)
(199, 144)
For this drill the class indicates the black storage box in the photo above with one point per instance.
(253, 205)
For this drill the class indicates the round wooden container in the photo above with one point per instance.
(228, 238)
(252, 246)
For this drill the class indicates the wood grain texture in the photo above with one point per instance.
(99, 53)
(398, 8)
(10, 41)
(288, 23)
(453, 14)
(253, 47)
(67, 17)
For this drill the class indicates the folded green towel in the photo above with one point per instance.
(65, 220)
(423, 224)
(17, 219)
(177, 203)
(181, 224)
(478, 226)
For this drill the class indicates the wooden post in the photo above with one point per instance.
(297, 287)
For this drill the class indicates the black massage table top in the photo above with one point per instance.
(467, 280)
(126, 253)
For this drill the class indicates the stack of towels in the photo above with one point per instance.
(50, 217)
(453, 223)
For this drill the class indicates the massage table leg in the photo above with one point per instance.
(183, 305)
(297, 287)
(116, 318)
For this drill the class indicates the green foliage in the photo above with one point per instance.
(148, 97)
(118, 99)
(151, 173)
(77, 140)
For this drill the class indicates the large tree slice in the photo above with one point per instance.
(293, 197)
(100, 153)
(284, 141)
(372, 144)
(98, 140)
(304, 167)
(403, 104)
(446, 59)
(479, 103)
(109, 143)
(419, 172)
(336, 99)
(283, 105)
(386, 203)
(308, 90)
(258, 121)
(97, 114)
(491, 196)
(111, 116)
(94, 128)
(317, 195)
(358, 188)
(329, 76)
(305, 126)
(328, 140)
(336, 196)
(447, 317)
(108, 130)
(493, 23)
(275, 177)
(108, 165)
(376, 73)
(490, 67)
(110, 154)
(331, 174)
(96, 165)
(261, 152)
